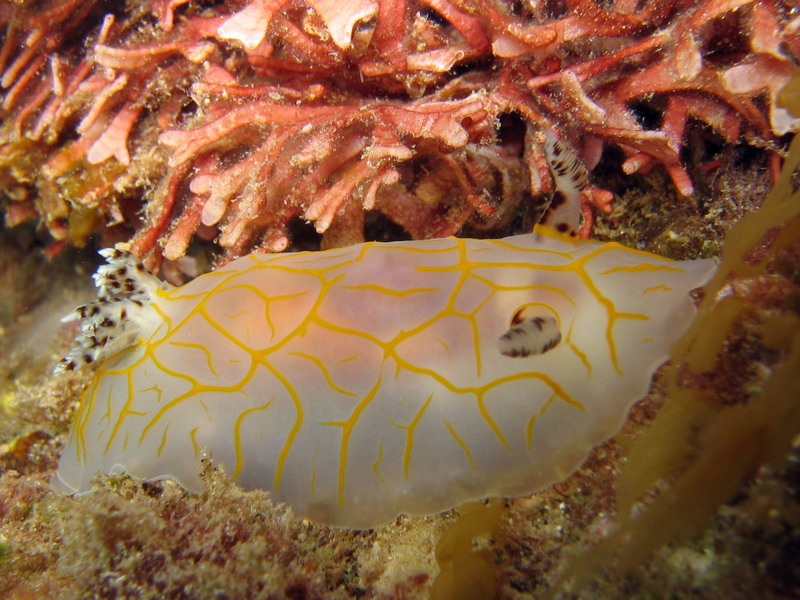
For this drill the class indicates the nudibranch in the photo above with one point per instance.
(360, 383)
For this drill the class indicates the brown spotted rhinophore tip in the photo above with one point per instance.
(570, 178)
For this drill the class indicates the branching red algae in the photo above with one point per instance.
(175, 121)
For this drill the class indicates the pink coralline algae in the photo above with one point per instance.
(176, 120)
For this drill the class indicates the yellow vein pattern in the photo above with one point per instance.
(359, 383)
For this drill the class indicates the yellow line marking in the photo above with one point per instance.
(641, 268)
(195, 445)
(377, 463)
(325, 373)
(461, 443)
(409, 429)
(657, 288)
(374, 287)
(529, 430)
(237, 437)
(163, 440)
(581, 355)
(347, 431)
(155, 389)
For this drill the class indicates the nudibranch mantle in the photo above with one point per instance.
(360, 383)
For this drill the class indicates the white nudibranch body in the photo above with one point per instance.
(360, 383)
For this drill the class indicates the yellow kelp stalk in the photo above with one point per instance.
(706, 440)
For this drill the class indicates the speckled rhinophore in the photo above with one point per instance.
(379, 379)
